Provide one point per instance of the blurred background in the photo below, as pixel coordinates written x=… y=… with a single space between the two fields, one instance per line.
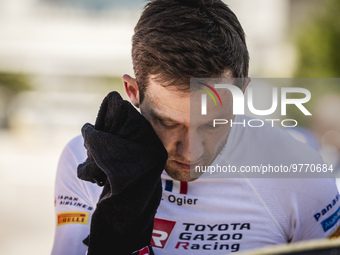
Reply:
x=59 y=58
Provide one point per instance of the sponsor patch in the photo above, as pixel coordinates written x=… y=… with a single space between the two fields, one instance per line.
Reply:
x=72 y=217
x=336 y=234
x=161 y=232
x=330 y=222
x=325 y=210
x=67 y=201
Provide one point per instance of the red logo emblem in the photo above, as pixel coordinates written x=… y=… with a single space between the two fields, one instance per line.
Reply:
x=144 y=251
x=161 y=232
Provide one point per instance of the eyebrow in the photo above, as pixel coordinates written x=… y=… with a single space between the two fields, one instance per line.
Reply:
x=220 y=116
x=160 y=117
x=165 y=118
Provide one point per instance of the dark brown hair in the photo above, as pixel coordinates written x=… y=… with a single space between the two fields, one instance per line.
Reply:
x=176 y=40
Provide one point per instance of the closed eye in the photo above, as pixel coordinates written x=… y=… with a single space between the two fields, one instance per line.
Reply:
x=168 y=125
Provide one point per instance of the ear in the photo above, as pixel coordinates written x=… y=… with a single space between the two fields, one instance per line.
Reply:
x=246 y=85
x=131 y=89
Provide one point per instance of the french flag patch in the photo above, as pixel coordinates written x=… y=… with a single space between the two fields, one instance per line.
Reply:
x=176 y=186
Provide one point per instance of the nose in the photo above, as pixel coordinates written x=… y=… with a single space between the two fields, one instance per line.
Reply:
x=190 y=146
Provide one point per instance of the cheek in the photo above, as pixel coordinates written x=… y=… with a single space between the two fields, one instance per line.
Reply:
x=167 y=137
x=214 y=142
x=210 y=147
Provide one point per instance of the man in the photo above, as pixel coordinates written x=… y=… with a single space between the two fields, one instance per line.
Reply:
x=173 y=42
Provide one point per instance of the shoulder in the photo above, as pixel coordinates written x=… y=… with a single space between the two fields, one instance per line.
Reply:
x=73 y=153
x=276 y=144
x=67 y=181
x=316 y=189
x=306 y=208
x=76 y=147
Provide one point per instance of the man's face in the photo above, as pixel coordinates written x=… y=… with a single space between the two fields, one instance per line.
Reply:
x=189 y=138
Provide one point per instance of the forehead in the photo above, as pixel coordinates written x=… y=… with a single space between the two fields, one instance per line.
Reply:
x=181 y=106
x=166 y=100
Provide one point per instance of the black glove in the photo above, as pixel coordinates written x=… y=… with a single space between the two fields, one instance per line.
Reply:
x=126 y=157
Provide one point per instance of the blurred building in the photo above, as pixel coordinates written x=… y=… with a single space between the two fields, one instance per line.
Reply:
x=56 y=37
x=93 y=37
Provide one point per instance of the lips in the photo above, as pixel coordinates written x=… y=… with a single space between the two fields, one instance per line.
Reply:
x=186 y=167
x=183 y=165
